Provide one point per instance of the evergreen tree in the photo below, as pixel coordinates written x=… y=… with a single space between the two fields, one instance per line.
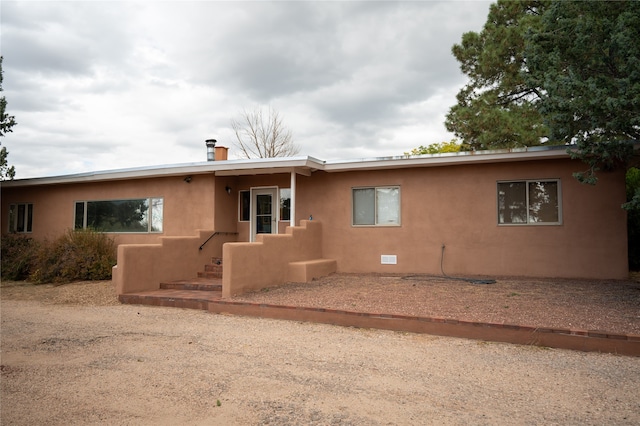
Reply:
x=585 y=60
x=497 y=108
x=6 y=123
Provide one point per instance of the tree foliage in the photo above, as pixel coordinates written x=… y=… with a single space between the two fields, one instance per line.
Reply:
x=497 y=108
x=436 y=148
x=586 y=58
x=6 y=124
x=553 y=71
x=261 y=134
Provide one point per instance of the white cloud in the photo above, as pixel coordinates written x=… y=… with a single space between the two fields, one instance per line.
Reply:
x=97 y=85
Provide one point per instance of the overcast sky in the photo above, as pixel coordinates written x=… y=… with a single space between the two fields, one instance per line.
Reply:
x=108 y=85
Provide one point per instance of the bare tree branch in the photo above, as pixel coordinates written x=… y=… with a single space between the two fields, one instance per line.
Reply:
x=263 y=136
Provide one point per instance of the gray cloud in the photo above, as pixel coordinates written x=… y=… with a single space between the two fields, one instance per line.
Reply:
x=124 y=84
x=51 y=38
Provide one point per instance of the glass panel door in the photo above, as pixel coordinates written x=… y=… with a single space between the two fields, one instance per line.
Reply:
x=264 y=212
x=264 y=205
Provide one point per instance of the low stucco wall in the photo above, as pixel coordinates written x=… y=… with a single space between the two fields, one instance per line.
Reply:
x=253 y=266
x=141 y=267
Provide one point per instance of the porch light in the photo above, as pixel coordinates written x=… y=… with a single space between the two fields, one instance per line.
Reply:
x=228 y=189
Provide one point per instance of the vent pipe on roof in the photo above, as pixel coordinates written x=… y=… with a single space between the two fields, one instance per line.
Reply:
x=211 y=153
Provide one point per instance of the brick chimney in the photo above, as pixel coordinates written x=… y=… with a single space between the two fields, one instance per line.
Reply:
x=221 y=153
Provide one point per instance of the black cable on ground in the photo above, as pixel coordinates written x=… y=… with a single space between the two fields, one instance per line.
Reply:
x=433 y=277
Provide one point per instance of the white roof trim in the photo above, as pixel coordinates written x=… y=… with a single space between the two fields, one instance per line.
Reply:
x=301 y=165
x=449 y=159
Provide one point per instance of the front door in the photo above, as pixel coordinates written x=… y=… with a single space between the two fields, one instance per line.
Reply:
x=264 y=211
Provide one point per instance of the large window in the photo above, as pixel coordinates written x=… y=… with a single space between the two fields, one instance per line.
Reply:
x=21 y=217
x=376 y=206
x=529 y=202
x=136 y=215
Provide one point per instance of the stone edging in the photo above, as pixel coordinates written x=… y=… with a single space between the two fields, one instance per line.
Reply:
x=589 y=341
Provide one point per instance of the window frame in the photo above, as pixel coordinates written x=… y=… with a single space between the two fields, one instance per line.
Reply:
x=526 y=183
x=150 y=214
x=375 y=223
x=27 y=217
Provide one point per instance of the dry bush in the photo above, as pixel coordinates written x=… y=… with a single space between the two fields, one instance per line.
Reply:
x=75 y=256
x=18 y=254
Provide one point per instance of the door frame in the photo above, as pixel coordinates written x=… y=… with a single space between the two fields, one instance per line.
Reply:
x=275 y=209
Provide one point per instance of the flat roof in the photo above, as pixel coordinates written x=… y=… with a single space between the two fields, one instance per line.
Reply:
x=302 y=165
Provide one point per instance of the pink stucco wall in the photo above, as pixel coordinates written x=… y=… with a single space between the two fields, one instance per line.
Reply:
x=141 y=267
x=265 y=263
x=187 y=206
x=454 y=205
x=457 y=206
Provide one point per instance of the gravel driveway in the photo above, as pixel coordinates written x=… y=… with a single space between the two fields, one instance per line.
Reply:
x=121 y=364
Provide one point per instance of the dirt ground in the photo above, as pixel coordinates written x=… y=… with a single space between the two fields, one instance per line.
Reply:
x=73 y=355
x=605 y=305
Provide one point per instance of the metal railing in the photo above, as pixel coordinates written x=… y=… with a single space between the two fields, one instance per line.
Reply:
x=214 y=234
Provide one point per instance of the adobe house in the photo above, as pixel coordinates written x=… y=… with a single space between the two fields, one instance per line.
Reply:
x=494 y=213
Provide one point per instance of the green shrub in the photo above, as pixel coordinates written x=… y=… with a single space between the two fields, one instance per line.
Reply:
x=75 y=256
x=17 y=256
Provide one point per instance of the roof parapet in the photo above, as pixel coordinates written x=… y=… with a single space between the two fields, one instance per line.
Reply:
x=285 y=165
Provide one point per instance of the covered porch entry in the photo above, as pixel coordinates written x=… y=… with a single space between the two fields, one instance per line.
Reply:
x=256 y=210
x=265 y=200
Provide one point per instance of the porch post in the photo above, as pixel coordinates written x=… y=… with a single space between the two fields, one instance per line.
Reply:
x=292 y=215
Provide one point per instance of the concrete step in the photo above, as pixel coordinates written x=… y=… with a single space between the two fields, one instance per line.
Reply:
x=200 y=284
x=189 y=299
x=210 y=275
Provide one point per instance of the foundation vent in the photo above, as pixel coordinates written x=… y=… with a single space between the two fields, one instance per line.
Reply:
x=388 y=259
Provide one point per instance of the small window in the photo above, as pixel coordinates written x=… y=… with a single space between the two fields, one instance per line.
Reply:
x=379 y=206
x=122 y=216
x=156 y=215
x=285 y=204
x=245 y=206
x=529 y=202
x=21 y=218
x=80 y=217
